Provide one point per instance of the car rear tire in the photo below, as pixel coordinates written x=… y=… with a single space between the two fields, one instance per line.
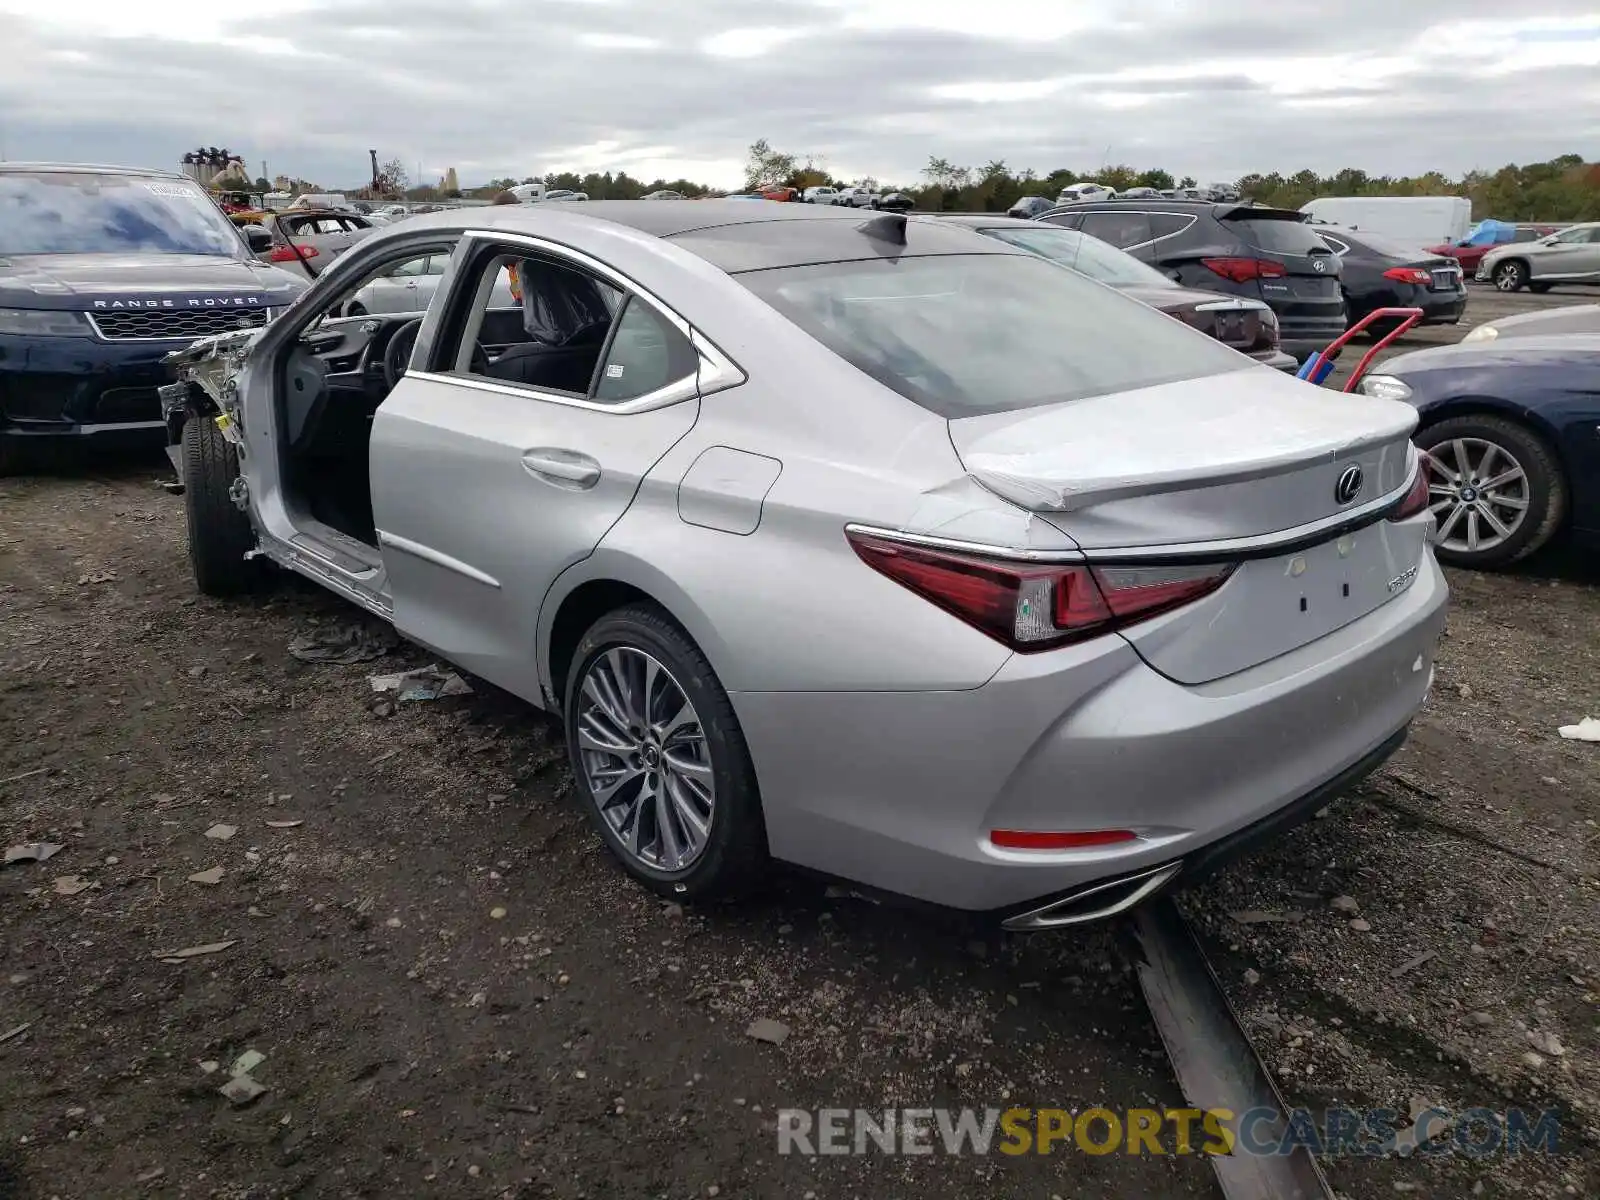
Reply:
x=1539 y=289
x=1510 y=276
x=1511 y=477
x=355 y=309
x=661 y=765
x=219 y=534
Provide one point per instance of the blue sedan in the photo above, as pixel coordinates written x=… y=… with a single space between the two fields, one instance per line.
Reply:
x=1511 y=430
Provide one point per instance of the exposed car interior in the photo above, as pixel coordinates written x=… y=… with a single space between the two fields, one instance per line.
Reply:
x=341 y=369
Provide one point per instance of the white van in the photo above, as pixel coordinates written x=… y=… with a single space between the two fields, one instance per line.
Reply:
x=528 y=193
x=1418 y=221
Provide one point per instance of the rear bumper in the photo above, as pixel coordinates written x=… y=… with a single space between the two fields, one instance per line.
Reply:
x=1108 y=898
x=1278 y=360
x=1438 y=307
x=81 y=388
x=898 y=790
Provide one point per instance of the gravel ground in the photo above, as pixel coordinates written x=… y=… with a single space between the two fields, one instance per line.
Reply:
x=457 y=995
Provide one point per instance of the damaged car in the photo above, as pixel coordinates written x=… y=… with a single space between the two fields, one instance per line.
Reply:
x=841 y=539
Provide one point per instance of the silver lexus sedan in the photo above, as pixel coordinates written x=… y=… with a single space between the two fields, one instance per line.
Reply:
x=870 y=545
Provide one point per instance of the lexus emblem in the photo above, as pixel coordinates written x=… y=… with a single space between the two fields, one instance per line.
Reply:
x=1321 y=268
x=1349 y=485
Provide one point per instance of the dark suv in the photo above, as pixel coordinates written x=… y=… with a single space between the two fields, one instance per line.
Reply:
x=104 y=271
x=1266 y=254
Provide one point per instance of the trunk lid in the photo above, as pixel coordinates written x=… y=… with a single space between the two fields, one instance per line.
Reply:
x=1211 y=468
x=1245 y=325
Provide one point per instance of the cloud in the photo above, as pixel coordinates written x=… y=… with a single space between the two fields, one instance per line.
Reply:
x=499 y=87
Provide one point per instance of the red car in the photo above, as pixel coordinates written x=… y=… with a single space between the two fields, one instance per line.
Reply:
x=1469 y=251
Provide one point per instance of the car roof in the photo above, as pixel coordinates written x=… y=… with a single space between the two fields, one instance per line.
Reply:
x=88 y=169
x=739 y=236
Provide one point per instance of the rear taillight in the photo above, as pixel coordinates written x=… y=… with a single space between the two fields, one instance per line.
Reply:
x=1409 y=275
x=1243 y=270
x=1416 y=500
x=1034 y=607
x=291 y=253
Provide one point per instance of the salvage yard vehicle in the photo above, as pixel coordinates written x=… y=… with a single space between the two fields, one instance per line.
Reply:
x=1249 y=326
x=1377 y=272
x=854 y=541
x=307 y=240
x=1248 y=250
x=1509 y=433
x=103 y=272
x=1571 y=256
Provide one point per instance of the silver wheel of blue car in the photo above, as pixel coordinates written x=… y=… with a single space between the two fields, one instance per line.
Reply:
x=1478 y=492
x=644 y=757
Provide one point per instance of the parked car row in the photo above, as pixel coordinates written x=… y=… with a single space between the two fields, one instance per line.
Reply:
x=1264 y=254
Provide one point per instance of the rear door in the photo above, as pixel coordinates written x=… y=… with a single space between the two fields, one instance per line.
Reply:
x=484 y=490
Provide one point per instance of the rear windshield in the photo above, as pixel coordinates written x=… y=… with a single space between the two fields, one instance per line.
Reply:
x=962 y=335
x=1382 y=246
x=1084 y=254
x=1282 y=235
x=51 y=212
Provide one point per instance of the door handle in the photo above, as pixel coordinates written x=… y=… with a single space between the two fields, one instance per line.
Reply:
x=565 y=469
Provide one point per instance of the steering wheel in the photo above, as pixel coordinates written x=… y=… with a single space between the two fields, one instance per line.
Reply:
x=397 y=354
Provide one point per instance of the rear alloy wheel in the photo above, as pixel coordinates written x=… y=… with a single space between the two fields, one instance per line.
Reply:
x=1510 y=276
x=659 y=758
x=1496 y=491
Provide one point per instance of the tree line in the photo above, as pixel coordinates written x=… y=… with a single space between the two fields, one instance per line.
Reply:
x=1563 y=189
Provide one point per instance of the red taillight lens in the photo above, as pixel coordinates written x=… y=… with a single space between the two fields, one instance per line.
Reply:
x=1027 y=839
x=1416 y=501
x=1409 y=275
x=290 y=254
x=1032 y=608
x=1243 y=270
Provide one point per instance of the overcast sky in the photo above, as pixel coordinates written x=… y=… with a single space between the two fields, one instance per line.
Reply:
x=867 y=87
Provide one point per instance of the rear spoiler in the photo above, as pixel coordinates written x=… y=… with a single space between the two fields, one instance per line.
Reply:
x=1251 y=209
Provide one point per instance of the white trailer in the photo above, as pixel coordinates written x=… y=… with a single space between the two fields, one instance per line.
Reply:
x=1420 y=221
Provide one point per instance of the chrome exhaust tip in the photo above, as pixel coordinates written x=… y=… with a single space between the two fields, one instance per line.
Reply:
x=1095 y=902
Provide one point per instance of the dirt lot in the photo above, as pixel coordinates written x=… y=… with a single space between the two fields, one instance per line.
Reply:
x=457 y=995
